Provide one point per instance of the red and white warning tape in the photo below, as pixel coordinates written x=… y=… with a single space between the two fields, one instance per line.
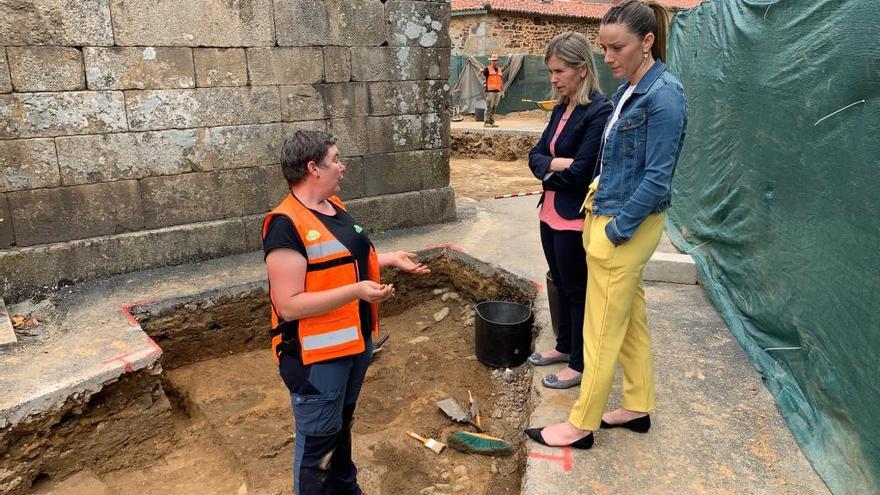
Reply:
x=516 y=195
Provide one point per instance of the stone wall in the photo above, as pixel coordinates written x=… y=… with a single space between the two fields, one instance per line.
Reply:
x=482 y=34
x=140 y=133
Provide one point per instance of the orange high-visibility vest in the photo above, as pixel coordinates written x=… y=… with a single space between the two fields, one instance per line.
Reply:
x=493 y=80
x=336 y=333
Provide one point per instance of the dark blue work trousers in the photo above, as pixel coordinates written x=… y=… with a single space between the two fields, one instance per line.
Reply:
x=324 y=396
x=567 y=260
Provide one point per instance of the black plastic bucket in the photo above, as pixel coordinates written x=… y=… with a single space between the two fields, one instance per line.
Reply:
x=503 y=333
x=552 y=294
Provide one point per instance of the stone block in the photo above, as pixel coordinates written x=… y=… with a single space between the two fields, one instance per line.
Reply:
x=288 y=128
x=436 y=63
x=34 y=267
x=392 y=98
x=285 y=65
x=241 y=191
x=28 y=164
x=53 y=22
x=337 y=64
x=45 y=68
x=345 y=100
x=385 y=63
x=423 y=24
x=395 y=133
x=353 y=181
x=177 y=108
x=42 y=216
x=435 y=168
x=179 y=199
x=393 y=173
x=438 y=205
x=351 y=135
x=218 y=23
x=243 y=146
x=436 y=130
x=220 y=67
x=435 y=97
x=330 y=22
x=133 y=155
x=57 y=114
x=672 y=268
x=139 y=67
x=5 y=80
x=7 y=237
x=301 y=103
x=276 y=186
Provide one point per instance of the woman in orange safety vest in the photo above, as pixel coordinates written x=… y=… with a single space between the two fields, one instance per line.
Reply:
x=324 y=290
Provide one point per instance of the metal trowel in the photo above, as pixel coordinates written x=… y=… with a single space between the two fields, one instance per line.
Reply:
x=453 y=409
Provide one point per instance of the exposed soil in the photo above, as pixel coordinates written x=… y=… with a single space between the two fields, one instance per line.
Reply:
x=499 y=147
x=233 y=426
x=484 y=178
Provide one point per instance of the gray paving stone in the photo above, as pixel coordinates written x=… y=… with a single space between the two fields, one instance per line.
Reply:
x=330 y=22
x=217 y=23
x=285 y=65
x=220 y=67
x=57 y=114
x=177 y=108
x=133 y=155
x=28 y=164
x=42 y=216
x=52 y=22
x=45 y=68
x=138 y=67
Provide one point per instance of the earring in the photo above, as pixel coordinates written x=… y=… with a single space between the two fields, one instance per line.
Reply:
x=644 y=54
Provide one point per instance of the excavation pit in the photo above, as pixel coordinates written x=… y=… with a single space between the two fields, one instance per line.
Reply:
x=226 y=426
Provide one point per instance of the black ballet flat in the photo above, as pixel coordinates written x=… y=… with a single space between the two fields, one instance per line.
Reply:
x=583 y=443
x=638 y=425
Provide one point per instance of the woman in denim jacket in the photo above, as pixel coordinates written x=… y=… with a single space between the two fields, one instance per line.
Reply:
x=565 y=159
x=625 y=218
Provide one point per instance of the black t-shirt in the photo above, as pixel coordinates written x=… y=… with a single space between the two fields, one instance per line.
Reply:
x=282 y=234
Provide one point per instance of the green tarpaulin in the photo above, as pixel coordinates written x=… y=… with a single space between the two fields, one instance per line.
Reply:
x=777 y=197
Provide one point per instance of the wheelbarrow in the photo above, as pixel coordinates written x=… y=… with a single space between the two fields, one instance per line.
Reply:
x=545 y=105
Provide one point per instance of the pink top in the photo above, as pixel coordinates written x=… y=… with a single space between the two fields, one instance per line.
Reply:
x=548 y=212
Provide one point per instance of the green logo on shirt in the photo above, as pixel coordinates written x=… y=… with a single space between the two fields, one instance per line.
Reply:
x=312 y=235
x=358 y=229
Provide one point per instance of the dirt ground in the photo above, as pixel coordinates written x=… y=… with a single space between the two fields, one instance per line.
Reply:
x=235 y=432
x=483 y=178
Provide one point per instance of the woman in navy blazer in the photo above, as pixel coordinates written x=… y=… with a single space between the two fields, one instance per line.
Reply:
x=565 y=159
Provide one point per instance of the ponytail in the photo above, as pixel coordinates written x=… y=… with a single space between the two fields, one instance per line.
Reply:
x=642 y=17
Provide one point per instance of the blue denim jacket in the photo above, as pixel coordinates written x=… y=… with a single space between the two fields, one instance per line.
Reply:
x=639 y=156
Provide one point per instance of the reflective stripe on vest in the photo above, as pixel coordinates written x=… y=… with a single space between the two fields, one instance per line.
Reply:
x=329 y=339
x=325 y=249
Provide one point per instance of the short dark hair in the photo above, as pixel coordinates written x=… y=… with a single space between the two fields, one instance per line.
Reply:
x=300 y=148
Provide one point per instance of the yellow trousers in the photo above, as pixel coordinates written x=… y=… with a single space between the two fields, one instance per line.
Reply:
x=616 y=325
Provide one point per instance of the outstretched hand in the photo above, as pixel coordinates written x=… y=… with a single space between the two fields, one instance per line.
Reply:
x=406 y=262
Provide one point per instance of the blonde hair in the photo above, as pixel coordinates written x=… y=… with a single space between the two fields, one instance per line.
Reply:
x=574 y=49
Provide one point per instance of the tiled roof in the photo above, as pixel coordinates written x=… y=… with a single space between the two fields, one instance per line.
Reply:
x=560 y=8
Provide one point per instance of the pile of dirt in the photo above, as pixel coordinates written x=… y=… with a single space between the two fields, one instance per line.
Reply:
x=483 y=178
x=495 y=146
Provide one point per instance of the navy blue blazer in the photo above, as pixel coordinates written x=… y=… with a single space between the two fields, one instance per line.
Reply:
x=580 y=139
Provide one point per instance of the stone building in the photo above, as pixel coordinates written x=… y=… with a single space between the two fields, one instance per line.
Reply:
x=142 y=133
x=480 y=27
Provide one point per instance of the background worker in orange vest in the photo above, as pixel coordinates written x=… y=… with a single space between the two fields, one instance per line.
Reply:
x=493 y=82
x=324 y=290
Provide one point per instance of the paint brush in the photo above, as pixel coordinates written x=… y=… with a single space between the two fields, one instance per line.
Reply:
x=432 y=444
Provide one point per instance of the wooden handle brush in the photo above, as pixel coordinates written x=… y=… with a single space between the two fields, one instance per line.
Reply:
x=430 y=443
x=475 y=411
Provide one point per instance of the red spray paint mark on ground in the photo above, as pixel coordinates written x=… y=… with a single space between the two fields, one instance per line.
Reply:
x=126 y=311
x=566 y=459
x=127 y=359
x=537 y=285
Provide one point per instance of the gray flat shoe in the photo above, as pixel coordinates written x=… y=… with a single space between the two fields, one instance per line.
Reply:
x=536 y=359
x=553 y=381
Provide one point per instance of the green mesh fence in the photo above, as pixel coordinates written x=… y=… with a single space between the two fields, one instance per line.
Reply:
x=777 y=197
